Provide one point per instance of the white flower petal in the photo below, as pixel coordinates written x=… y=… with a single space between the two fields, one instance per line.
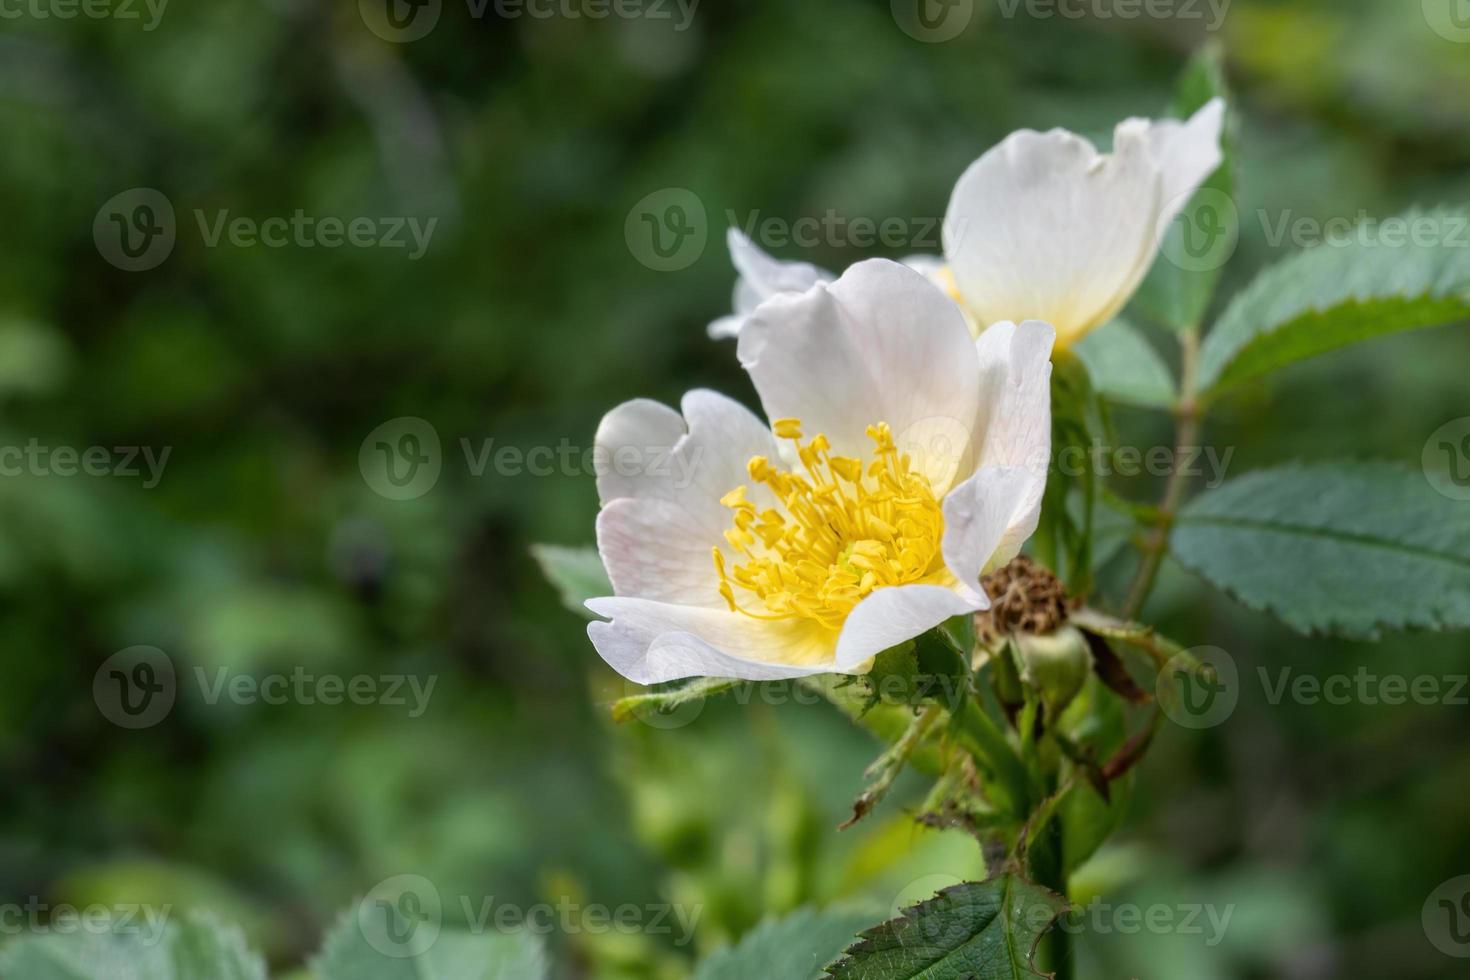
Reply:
x=645 y=449
x=977 y=516
x=761 y=277
x=652 y=642
x=1015 y=416
x=1044 y=227
x=655 y=549
x=1187 y=153
x=881 y=344
x=890 y=616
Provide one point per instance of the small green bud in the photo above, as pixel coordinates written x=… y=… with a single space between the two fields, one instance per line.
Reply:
x=1055 y=666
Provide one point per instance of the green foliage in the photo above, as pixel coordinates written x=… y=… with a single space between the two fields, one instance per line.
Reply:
x=577 y=573
x=1125 y=367
x=1346 y=548
x=447 y=955
x=792 y=948
x=1338 y=294
x=976 y=931
x=196 y=948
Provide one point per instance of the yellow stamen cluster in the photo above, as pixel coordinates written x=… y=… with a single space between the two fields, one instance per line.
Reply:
x=842 y=530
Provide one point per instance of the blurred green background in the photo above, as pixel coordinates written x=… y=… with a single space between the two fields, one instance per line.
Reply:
x=264 y=549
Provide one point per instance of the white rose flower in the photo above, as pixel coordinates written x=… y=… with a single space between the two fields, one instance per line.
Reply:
x=904 y=460
x=1042 y=226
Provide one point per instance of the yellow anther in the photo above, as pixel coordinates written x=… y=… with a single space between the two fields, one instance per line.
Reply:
x=842 y=531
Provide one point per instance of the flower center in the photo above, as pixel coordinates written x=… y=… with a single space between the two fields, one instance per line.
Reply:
x=842 y=530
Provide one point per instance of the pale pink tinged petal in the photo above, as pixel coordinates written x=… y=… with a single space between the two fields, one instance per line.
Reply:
x=1015 y=415
x=645 y=449
x=893 y=615
x=652 y=642
x=627 y=429
x=881 y=344
x=761 y=277
x=661 y=485
x=654 y=549
x=977 y=516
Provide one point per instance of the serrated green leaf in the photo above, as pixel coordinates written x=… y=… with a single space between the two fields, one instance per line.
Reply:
x=1341 y=293
x=577 y=573
x=348 y=954
x=1124 y=366
x=196 y=948
x=793 y=948
x=1345 y=548
x=1177 y=291
x=976 y=931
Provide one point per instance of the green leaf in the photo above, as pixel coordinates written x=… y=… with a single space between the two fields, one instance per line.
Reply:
x=196 y=948
x=793 y=948
x=1340 y=293
x=577 y=573
x=1345 y=548
x=1125 y=367
x=1183 y=278
x=975 y=931
x=364 y=946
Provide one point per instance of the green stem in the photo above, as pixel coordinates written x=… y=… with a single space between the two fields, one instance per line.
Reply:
x=995 y=754
x=1187 y=425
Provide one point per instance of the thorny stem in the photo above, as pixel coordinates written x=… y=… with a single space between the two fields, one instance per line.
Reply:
x=886 y=767
x=995 y=754
x=1160 y=648
x=1187 y=424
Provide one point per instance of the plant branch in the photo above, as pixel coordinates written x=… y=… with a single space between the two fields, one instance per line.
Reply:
x=988 y=744
x=885 y=769
x=1187 y=427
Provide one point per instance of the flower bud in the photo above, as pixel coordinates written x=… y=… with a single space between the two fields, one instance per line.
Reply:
x=1055 y=666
